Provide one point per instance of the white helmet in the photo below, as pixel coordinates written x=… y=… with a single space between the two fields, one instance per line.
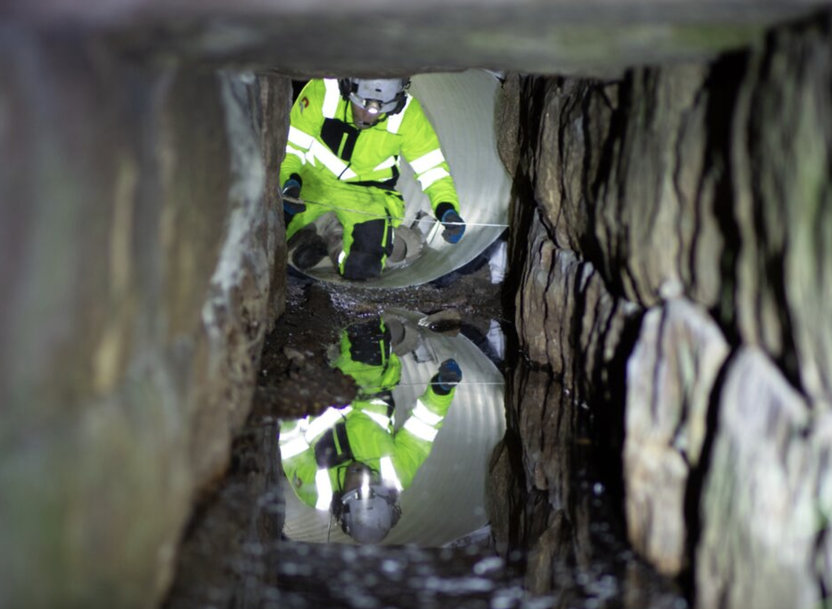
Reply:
x=378 y=96
x=367 y=512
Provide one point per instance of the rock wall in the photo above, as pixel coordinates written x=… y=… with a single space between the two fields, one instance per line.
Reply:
x=141 y=264
x=673 y=231
x=550 y=514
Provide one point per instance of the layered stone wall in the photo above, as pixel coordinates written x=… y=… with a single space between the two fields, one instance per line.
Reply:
x=141 y=265
x=677 y=271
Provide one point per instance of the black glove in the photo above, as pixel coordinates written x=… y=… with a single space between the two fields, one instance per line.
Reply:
x=454 y=225
x=291 y=190
x=448 y=376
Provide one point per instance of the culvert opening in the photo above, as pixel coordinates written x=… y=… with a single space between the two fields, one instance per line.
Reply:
x=476 y=527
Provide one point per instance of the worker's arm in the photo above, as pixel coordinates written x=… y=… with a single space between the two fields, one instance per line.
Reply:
x=421 y=149
x=300 y=467
x=307 y=474
x=305 y=122
x=414 y=441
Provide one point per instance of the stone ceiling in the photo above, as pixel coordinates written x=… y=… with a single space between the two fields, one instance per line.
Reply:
x=380 y=37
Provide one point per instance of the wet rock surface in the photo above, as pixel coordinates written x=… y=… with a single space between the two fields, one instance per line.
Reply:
x=782 y=143
x=670 y=378
x=697 y=183
x=567 y=318
x=763 y=497
x=557 y=500
x=137 y=251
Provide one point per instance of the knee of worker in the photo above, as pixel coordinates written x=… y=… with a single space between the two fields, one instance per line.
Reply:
x=296 y=222
x=362 y=265
x=368 y=247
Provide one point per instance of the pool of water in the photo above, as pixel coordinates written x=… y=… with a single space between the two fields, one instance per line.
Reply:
x=502 y=495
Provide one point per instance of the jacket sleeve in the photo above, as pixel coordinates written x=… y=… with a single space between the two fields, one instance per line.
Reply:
x=310 y=481
x=414 y=440
x=305 y=122
x=421 y=149
x=298 y=462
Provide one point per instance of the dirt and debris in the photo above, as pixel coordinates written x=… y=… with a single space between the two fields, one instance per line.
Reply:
x=295 y=377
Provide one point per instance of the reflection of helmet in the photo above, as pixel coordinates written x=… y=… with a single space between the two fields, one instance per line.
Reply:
x=367 y=512
x=387 y=93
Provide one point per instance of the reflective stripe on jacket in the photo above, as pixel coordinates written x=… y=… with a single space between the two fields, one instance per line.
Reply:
x=359 y=432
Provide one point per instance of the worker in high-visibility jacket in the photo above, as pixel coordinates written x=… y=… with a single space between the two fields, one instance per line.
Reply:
x=352 y=460
x=346 y=140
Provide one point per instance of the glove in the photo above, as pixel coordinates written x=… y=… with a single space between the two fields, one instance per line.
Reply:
x=448 y=376
x=291 y=189
x=454 y=226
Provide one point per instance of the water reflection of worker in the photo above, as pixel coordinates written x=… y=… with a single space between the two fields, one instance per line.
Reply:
x=352 y=460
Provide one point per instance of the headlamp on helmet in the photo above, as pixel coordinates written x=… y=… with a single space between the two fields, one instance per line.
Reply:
x=379 y=96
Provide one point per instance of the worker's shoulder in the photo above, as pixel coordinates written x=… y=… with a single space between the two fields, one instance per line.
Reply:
x=414 y=106
x=319 y=83
x=414 y=115
x=314 y=88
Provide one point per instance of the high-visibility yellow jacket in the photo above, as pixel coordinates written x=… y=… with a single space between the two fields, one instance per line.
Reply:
x=324 y=145
x=316 y=451
x=367 y=357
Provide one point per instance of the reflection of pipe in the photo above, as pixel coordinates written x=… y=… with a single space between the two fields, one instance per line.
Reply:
x=447 y=498
x=461 y=108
